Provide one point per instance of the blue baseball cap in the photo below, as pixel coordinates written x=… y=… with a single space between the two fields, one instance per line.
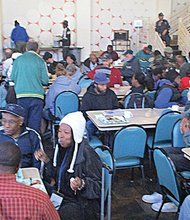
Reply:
x=14 y=109
x=101 y=78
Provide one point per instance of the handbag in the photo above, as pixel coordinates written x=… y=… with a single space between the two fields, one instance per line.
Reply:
x=11 y=95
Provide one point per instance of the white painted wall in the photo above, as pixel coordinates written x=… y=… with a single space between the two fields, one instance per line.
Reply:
x=91 y=21
x=83 y=24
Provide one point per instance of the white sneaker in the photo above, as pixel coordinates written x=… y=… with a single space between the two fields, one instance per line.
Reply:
x=153 y=198
x=167 y=207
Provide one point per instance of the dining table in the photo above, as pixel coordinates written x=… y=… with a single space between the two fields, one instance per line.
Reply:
x=113 y=120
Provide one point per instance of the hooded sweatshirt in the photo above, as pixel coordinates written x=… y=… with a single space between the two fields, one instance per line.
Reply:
x=62 y=83
x=103 y=101
x=167 y=95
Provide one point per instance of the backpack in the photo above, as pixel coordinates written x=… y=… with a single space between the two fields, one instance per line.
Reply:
x=138 y=100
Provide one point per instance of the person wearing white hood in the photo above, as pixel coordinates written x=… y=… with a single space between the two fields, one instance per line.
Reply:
x=79 y=170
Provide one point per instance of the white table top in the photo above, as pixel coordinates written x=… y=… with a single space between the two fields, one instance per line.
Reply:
x=121 y=92
x=146 y=117
x=30 y=176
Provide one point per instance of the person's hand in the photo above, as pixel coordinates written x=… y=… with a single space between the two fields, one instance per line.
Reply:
x=164 y=32
x=75 y=183
x=184 y=126
x=41 y=155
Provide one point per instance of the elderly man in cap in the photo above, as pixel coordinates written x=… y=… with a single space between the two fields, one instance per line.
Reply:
x=131 y=65
x=112 y=73
x=79 y=171
x=169 y=59
x=19 y=201
x=144 y=56
x=98 y=97
x=13 y=130
x=162 y=27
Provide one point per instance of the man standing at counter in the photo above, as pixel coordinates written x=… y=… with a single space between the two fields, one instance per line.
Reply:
x=66 y=39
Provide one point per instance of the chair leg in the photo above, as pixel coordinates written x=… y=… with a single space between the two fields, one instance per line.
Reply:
x=132 y=174
x=150 y=157
x=163 y=201
x=53 y=136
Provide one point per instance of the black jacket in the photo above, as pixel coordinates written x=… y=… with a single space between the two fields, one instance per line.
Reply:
x=88 y=166
x=93 y=101
x=129 y=68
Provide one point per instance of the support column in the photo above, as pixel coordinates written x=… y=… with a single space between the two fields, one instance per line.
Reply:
x=1 y=32
x=83 y=11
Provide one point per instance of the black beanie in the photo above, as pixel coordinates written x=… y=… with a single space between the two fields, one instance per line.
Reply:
x=171 y=74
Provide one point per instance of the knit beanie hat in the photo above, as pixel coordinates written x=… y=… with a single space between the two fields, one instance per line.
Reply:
x=171 y=74
x=77 y=123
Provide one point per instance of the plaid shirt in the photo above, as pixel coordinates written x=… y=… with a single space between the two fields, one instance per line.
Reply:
x=21 y=202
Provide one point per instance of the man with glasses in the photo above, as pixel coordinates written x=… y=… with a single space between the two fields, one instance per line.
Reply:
x=13 y=130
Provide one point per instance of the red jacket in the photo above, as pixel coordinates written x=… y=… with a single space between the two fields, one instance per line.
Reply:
x=185 y=83
x=115 y=76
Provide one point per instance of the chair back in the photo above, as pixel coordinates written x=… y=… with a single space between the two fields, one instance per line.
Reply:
x=66 y=102
x=107 y=172
x=84 y=82
x=138 y=100
x=177 y=136
x=167 y=175
x=164 y=127
x=129 y=141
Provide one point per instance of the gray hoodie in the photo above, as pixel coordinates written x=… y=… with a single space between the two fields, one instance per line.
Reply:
x=62 y=83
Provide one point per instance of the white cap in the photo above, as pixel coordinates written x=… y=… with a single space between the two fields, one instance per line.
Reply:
x=77 y=123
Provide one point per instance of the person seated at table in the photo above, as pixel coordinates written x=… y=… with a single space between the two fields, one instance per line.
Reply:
x=70 y=59
x=74 y=72
x=137 y=97
x=19 y=201
x=144 y=56
x=138 y=83
x=177 y=156
x=63 y=82
x=169 y=59
x=98 y=97
x=90 y=63
x=14 y=130
x=131 y=65
x=111 y=52
x=113 y=73
x=51 y=64
x=78 y=170
x=182 y=65
x=168 y=92
x=153 y=78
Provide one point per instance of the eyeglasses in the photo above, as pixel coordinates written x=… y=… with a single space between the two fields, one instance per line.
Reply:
x=9 y=122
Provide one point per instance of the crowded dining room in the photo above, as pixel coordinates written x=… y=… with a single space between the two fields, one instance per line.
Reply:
x=95 y=110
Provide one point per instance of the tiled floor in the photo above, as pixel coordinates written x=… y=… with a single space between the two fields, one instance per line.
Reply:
x=126 y=195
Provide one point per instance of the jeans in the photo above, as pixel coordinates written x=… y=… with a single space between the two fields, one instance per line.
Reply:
x=91 y=129
x=33 y=111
